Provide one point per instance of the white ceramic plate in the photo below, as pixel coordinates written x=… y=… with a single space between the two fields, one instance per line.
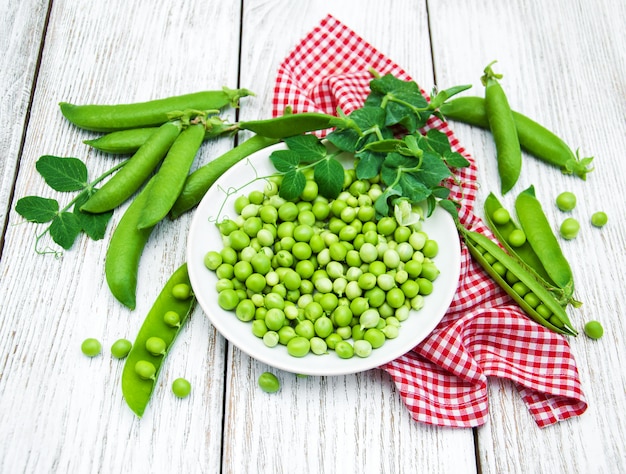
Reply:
x=204 y=236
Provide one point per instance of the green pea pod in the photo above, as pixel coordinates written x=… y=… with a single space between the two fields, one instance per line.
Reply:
x=122 y=142
x=480 y=246
x=533 y=137
x=108 y=118
x=524 y=253
x=170 y=179
x=289 y=125
x=539 y=235
x=198 y=183
x=121 y=264
x=502 y=125
x=136 y=389
x=136 y=171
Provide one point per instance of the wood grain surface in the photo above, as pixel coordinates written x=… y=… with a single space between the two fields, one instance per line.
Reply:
x=563 y=64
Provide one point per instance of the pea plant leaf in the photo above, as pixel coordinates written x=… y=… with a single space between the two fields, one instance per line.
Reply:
x=62 y=174
x=307 y=147
x=292 y=185
x=369 y=164
x=455 y=160
x=64 y=229
x=285 y=160
x=94 y=225
x=37 y=209
x=329 y=174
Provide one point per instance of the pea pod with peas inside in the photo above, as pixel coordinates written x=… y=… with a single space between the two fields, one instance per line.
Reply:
x=524 y=253
x=108 y=118
x=154 y=340
x=533 y=137
x=289 y=124
x=502 y=125
x=536 y=301
x=121 y=142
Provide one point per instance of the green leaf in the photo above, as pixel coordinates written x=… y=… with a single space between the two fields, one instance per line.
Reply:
x=64 y=229
x=37 y=209
x=438 y=141
x=455 y=160
x=369 y=164
x=308 y=147
x=94 y=225
x=381 y=205
x=285 y=160
x=383 y=146
x=329 y=176
x=451 y=207
x=433 y=170
x=412 y=188
x=62 y=174
x=345 y=139
x=369 y=117
x=445 y=94
x=292 y=185
x=441 y=192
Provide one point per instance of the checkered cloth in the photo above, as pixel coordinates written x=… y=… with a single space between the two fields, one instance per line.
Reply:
x=443 y=380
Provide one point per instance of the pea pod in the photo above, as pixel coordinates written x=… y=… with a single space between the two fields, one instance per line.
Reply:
x=539 y=234
x=534 y=138
x=136 y=171
x=136 y=389
x=122 y=142
x=108 y=118
x=170 y=179
x=503 y=129
x=543 y=308
x=289 y=125
x=198 y=183
x=121 y=263
x=524 y=253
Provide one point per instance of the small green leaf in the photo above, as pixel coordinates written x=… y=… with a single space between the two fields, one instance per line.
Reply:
x=381 y=205
x=307 y=147
x=438 y=141
x=345 y=139
x=285 y=160
x=62 y=174
x=292 y=186
x=94 y=225
x=441 y=192
x=455 y=160
x=64 y=229
x=329 y=176
x=37 y=209
x=413 y=189
x=451 y=207
x=369 y=164
x=433 y=170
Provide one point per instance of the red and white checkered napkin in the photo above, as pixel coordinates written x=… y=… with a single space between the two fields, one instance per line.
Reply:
x=443 y=380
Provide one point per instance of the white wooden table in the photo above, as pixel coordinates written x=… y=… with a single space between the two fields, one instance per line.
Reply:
x=564 y=65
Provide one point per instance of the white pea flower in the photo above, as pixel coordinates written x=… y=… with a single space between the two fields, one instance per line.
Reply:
x=405 y=214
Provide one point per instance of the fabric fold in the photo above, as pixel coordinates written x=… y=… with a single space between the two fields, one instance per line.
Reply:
x=443 y=380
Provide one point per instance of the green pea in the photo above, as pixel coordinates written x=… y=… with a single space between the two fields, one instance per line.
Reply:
x=181 y=387
x=362 y=348
x=501 y=216
x=298 y=346
x=121 y=348
x=344 y=349
x=181 y=291
x=269 y=382
x=517 y=238
x=599 y=219
x=156 y=346
x=91 y=347
x=212 y=260
x=569 y=228
x=271 y=338
x=566 y=201
x=145 y=370
x=430 y=249
x=375 y=337
x=318 y=346
x=227 y=299
x=594 y=329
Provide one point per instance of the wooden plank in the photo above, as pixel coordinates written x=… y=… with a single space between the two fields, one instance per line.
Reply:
x=21 y=34
x=60 y=411
x=563 y=65
x=330 y=424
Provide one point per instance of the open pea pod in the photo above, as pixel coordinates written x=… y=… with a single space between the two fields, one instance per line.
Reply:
x=524 y=253
x=543 y=308
x=162 y=324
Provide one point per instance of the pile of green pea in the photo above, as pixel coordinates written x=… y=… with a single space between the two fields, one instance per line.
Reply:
x=317 y=274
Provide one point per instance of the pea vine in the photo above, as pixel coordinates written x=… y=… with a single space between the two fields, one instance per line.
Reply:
x=65 y=224
x=386 y=140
